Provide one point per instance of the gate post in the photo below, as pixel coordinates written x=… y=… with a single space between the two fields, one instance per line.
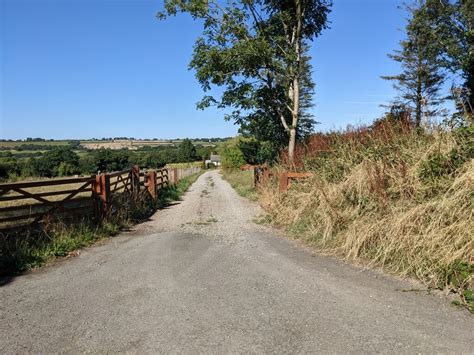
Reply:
x=165 y=178
x=283 y=186
x=101 y=194
x=175 y=176
x=151 y=183
x=95 y=197
x=135 y=179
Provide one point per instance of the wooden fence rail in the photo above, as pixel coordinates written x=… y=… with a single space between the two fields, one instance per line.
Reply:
x=262 y=175
x=23 y=204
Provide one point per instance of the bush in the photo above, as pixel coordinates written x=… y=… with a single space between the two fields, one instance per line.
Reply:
x=231 y=155
x=49 y=164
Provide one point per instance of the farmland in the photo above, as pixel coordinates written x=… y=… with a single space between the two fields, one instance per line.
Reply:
x=32 y=158
x=112 y=143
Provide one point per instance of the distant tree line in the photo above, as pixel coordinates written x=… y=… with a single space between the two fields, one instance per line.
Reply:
x=25 y=147
x=65 y=160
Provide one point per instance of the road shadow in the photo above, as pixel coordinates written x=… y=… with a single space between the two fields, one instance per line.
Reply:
x=5 y=280
x=170 y=205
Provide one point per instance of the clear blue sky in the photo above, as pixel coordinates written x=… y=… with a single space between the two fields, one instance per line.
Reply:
x=95 y=68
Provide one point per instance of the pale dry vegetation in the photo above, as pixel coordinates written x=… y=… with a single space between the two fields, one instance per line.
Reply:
x=393 y=199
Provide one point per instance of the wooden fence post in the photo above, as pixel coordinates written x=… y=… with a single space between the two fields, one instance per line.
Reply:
x=135 y=179
x=101 y=193
x=165 y=177
x=95 y=196
x=175 y=176
x=266 y=175
x=151 y=183
x=283 y=186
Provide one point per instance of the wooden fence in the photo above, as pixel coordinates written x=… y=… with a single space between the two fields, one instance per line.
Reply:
x=178 y=174
x=23 y=204
x=263 y=174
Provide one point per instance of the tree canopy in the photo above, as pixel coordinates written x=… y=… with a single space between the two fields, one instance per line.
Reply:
x=257 y=50
x=421 y=79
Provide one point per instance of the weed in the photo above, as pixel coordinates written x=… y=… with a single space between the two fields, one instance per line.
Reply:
x=207 y=222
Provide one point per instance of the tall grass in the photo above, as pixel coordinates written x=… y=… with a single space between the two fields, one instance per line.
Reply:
x=390 y=197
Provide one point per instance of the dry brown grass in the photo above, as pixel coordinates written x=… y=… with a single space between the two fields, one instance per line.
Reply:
x=381 y=211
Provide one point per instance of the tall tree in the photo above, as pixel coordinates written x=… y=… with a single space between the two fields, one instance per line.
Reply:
x=264 y=123
x=421 y=79
x=186 y=151
x=453 y=25
x=255 y=49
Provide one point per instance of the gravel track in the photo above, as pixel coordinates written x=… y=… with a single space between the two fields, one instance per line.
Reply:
x=202 y=277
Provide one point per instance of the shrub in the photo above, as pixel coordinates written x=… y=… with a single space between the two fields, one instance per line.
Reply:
x=231 y=155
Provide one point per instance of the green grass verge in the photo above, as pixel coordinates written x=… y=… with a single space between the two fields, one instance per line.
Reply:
x=174 y=193
x=184 y=165
x=242 y=182
x=23 y=251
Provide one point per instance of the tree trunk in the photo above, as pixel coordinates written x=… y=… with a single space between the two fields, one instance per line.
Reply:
x=295 y=85
x=470 y=87
x=419 y=93
x=291 y=145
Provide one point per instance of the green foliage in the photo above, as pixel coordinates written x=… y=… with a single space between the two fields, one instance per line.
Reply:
x=249 y=149
x=459 y=276
x=231 y=155
x=258 y=52
x=63 y=160
x=452 y=22
x=57 y=161
x=9 y=167
x=203 y=152
x=111 y=160
x=436 y=166
x=187 y=151
x=421 y=79
x=23 y=251
x=267 y=152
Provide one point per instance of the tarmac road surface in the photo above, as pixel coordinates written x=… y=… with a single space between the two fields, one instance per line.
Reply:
x=202 y=277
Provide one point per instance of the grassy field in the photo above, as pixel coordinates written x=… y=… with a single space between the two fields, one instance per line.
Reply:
x=14 y=144
x=94 y=144
x=183 y=165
